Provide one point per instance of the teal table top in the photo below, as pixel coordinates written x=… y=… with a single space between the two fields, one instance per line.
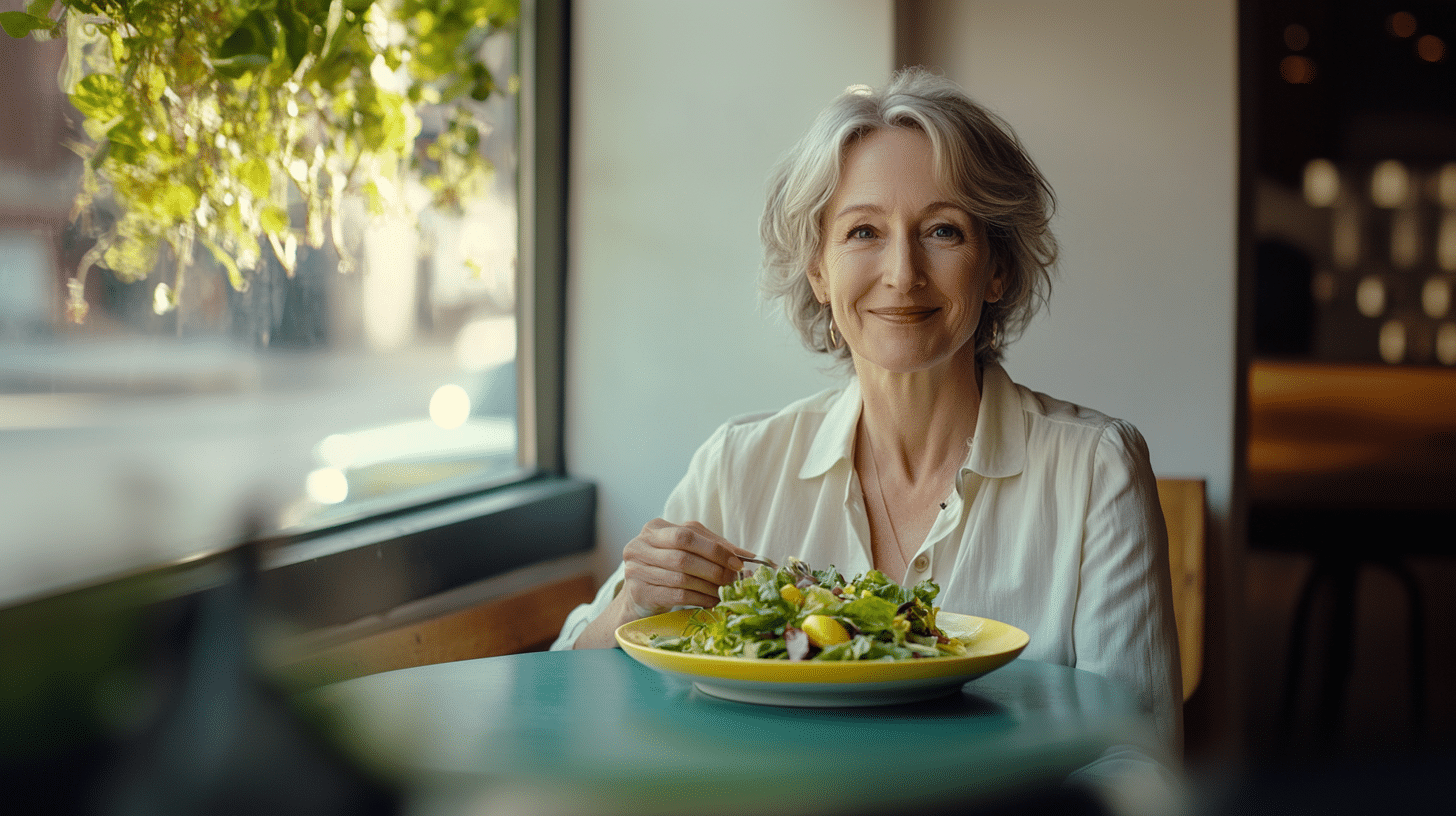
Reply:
x=600 y=730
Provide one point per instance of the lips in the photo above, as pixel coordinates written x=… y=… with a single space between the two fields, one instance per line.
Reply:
x=904 y=314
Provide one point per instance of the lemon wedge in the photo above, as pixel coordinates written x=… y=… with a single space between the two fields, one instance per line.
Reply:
x=825 y=631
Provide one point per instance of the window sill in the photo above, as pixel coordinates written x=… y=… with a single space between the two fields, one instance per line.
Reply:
x=405 y=561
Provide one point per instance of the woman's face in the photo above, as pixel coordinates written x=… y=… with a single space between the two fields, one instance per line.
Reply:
x=904 y=270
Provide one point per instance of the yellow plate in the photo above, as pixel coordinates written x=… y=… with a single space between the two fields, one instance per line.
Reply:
x=823 y=683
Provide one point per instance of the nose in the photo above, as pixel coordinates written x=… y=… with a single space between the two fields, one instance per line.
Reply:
x=904 y=264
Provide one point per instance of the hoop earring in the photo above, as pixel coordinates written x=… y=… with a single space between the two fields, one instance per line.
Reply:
x=836 y=340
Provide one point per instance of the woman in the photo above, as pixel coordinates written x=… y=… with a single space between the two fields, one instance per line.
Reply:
x=907 y=234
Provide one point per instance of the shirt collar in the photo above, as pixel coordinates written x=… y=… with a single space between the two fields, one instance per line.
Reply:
x=998 y=450
x=834 y=441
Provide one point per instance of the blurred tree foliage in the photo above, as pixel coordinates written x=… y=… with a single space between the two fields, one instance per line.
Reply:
x=241 y=125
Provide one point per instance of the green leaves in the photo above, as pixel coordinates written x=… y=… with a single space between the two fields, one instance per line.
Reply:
x=209 y=120
x=177 y=202
x=255 y=37
x=757 y=617
x=871 y=614
x=386 y=124
x=255 y=175
x=35 y=20
x=101 y=97
x=22 y=24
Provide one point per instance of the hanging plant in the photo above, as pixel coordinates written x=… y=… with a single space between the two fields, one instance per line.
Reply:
x=206 y=121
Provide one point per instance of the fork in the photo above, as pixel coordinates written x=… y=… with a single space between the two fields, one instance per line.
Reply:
x=767 y=562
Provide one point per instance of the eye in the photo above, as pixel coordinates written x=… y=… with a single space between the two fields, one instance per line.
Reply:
x=862 y=233
x=947 y=232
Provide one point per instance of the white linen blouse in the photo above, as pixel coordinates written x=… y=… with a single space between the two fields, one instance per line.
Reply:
x=1053 y=526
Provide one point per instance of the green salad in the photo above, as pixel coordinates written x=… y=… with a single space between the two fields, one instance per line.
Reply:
x=798 y=613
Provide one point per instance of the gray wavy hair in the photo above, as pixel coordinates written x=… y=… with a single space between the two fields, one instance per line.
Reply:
x=978 y=158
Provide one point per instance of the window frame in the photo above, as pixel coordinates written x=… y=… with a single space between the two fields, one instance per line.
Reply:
x=541 y=285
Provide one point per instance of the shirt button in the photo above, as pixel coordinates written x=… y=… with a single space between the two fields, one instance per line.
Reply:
x=921 y=562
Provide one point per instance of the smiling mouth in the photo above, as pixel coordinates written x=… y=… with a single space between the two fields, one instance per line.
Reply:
x=904 y=314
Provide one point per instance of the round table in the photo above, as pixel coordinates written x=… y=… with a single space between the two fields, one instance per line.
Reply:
x=594 y=731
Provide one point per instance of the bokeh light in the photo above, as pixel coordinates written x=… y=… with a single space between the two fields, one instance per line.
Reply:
x=1445 y=185
x=1446 y=242
x=1431 y=48
x=1390 y=184
x=1297 y=70
x=449 y=406
x=1321 y=183
x=1446 y=343
x=1392 y=341
x=1402 y=24
x=1436 y=297
x=327 y=486
x=1296 y=37
x=1370 y=296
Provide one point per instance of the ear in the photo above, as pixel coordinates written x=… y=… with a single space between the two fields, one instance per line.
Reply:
x=996 y=287
x=816 y=282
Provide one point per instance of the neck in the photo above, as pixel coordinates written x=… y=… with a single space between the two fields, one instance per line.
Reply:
x=919 y=422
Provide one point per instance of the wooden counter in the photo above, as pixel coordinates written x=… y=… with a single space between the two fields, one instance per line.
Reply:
x=1352 y=436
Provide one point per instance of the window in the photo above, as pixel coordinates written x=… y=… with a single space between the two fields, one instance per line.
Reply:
x=369 y=366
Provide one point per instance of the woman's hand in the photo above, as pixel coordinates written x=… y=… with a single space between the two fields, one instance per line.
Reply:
x=667 y=565
x=671 y=565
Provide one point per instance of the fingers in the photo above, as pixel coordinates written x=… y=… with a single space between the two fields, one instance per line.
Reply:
x=670 y=565
x=671 y=580
x=650 y=599
x=651 y=590
x=691 y=549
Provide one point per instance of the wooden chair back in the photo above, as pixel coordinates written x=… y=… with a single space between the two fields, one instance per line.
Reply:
x=1184 y=512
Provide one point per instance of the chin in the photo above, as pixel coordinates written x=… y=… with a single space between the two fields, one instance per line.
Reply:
x=912 y=360
x=907 y=363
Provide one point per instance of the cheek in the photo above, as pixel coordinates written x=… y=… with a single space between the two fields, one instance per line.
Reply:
x=841 y=278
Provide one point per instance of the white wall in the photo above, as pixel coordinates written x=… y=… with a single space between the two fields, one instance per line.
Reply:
x=678 y=112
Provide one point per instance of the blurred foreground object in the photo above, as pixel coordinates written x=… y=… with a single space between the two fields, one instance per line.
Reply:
x=141 y=696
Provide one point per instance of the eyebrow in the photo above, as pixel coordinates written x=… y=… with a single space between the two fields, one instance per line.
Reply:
x=875 y=209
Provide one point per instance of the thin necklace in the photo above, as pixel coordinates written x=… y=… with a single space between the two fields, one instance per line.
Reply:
x=889 y=519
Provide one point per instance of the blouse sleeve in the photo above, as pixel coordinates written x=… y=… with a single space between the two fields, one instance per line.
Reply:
x=697 y=497
x=1124 y=626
